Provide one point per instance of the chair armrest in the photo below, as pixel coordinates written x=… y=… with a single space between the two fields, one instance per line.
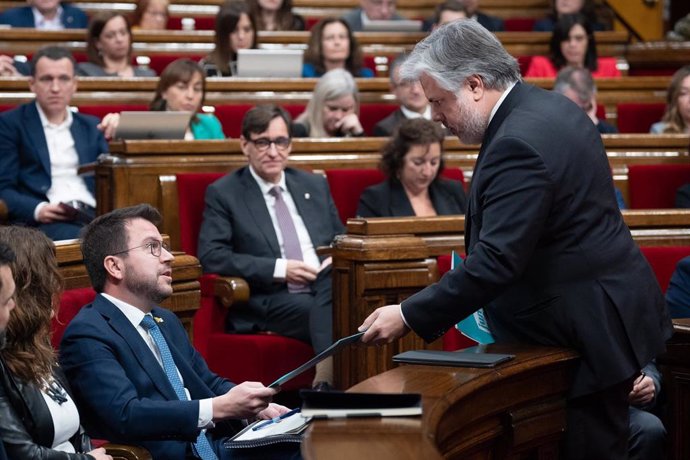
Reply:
x=127 y=452
x=324 y=251
x=230 y=290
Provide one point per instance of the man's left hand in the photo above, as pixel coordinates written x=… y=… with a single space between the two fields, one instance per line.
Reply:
x=384 y=325
x=643 y=391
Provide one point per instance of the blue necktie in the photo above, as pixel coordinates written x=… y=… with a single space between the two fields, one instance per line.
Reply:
x=201 y=446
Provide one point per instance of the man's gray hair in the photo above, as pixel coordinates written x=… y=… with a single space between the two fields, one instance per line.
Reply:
x=578 y=80
x=458 y=50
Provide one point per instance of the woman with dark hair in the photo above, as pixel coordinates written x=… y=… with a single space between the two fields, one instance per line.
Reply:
x=235 y=30
x=275 y=15
x=572 y=44
x=560 y=8
x=39 y=417
x=181 y=87
x=412 y=161
x=333 y=46
x=151 y=15
x=109 y=48
x=676 y=119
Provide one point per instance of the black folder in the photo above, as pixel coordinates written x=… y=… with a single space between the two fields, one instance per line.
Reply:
x=452 y=358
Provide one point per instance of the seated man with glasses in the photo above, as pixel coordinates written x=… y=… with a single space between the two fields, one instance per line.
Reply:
x=263 y=223
x=42 y=145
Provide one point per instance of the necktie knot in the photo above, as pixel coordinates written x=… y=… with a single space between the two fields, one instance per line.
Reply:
x=276 y=191
x=148 y=322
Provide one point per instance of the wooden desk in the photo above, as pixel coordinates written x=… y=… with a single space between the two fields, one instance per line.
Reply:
x=516 y=410
x=186 y=297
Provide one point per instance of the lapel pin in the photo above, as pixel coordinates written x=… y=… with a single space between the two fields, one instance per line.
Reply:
x=158 y=320
x=307 y=196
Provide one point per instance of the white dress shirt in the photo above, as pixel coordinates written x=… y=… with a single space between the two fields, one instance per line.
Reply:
x=411 y=114
x=48 y=24
x=65 y=421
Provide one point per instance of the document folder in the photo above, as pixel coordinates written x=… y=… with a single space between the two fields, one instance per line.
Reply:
x=452 y=358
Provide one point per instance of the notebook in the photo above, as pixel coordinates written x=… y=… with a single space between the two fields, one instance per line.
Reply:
x=152 y=125
x=273 y=63
x=392 y=25
x=335 y=404
x=452 y=358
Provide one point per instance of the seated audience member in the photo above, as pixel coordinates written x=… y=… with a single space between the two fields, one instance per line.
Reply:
x=676 y=119
x=572 y=43
x=43 y=144
x=151 y=15
x=275 y=15
x=369 y=10
x=452 y=10
x=333 y=46
x=134 y=374
x=12 y=67
x=39 y=417
x=578 y=85
x=562 y=7
x=492 y=23
x=263 y=223
x=647 y=438
x=678 y=292
x=333 y=110
x=412 y=161
x=235 y=30
x=181 y=87
x=410 y=95
x=45 y=15
x=109 y=49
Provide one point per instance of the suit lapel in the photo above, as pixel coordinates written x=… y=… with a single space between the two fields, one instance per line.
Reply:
x=400 y=203
x=121 y=325
x=80 y=137
x=37 y=136
x=256 y=206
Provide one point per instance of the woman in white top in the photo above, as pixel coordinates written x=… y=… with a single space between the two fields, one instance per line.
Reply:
x=676 y=119
x=39 y=417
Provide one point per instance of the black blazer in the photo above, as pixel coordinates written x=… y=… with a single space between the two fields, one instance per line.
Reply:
x=386 y=126
x=548 y=254
x=388 y=199
x=27 y=427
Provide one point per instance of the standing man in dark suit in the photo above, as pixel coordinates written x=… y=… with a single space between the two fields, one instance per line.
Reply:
x=263 y=222
x=45 y=15
x=136 y=377
x=548 y=254
x=43 y=144
x=409 y=94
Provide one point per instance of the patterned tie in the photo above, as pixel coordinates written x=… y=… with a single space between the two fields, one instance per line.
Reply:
x=201 y=446
x=291 y=243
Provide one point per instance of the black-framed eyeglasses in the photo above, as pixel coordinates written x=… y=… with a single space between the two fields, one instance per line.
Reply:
x=155 y=247
x=262 y=144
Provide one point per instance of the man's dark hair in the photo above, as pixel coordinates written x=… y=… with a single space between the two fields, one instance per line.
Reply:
x=449 y=5
x=6 y=256
x=257 y=119
x=54 y=53
x=107 y=234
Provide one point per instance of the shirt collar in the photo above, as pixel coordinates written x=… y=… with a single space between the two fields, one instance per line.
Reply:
x=40 y=19
x=500 y=100
x=133 y=314
x=67 y=123
x=411 y=114
x=266 y=186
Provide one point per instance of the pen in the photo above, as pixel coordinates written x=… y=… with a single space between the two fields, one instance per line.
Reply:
x=266 y=423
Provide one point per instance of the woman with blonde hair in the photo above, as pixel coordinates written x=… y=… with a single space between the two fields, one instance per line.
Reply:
x=333 y=110
x=39 y=417
x=676 y=119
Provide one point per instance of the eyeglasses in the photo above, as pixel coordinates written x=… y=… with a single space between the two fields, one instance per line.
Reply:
x=262 y=144
x=154 y=246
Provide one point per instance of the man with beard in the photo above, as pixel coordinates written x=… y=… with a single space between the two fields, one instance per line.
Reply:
x=136 y=378
x=548 y=254
x=6 y=302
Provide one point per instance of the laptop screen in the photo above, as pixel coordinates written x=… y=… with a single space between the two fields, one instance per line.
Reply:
x=152 y=125
x=276 y=63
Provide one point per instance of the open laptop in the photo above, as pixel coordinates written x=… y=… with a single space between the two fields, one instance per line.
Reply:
x=152 y=125
x=278 y=63
x=392 y=25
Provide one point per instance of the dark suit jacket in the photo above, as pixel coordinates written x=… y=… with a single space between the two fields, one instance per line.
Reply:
x=548 y=253
x=354 y=19
x=492 y=23
x=71 y=18
x=388 y=199
x=122 y=391
x=678 y=292
x=237 y=237
x=385 y=127
x=25 y=175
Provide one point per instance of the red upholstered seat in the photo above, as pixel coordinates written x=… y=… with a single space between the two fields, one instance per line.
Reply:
x=200 y=23
x=638 y=117
x=654 y=186
x=101 y=110
x=524 y=62
x=348 y=184
x=663 y=260
x=160 y=61
x=372 y=113
x=518 y=24
x=239 y=357
x=71 y=302
x=452 y=339
x=230 y=116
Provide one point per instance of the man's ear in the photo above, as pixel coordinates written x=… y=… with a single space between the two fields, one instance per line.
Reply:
x=114 y=267
x=244 y=144
x=476 y=86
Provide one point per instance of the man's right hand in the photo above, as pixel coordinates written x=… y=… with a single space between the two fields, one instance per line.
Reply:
x=242 y=401
x=300 y=273
x=99 y=454
x=52 y=213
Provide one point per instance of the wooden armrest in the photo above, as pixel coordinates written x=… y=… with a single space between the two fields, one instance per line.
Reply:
x=231 y=290
x=325 y=251
x=3 y=212
x=127 y=452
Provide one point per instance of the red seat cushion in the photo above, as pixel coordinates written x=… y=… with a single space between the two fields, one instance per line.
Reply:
x=654 y=186
x=99 y=111
x=191 y=191
x=638 y=117
x=71 y=302
x=230 y=116
x=372 y=113
x=518 y=24
x=452 y=339
x=347 y=185
x=663 y=260
x=200 y=23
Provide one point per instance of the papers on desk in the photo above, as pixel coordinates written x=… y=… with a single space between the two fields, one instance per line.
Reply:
x=320 y=404
x=285 y=430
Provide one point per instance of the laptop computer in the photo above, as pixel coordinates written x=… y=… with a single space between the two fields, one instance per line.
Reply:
x=273 y=63
x=392 y=25
x=152 y=125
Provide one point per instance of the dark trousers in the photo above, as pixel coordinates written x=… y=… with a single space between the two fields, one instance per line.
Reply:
x=57 y=231
x=598 y=425
x=647 y=439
